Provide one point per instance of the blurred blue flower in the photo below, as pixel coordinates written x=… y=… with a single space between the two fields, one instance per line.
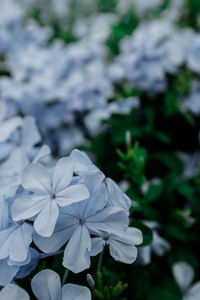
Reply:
x=184 y=275
x=150 y=53
x=159 y=246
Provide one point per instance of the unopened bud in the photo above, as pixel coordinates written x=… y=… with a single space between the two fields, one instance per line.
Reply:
x=128 y=139
x=90 y=281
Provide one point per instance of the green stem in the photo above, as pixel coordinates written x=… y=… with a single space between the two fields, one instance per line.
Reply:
x=100 y=262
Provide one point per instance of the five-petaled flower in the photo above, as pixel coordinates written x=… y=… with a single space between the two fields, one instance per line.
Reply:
x=49 y=191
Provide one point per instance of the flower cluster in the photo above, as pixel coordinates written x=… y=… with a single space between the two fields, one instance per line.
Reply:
x=48 y=206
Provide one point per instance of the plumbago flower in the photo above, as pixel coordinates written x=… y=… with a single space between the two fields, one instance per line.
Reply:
x=115 y=197
x=84 y=212
x=46 y=285
x=12 y=169
x=146 y=61
x=93 y=216
x=184 y=275
x=121 y=244
x=159 y=246
x=7 y=127
x=15 y=239
x=21 y=151
x=49 y=191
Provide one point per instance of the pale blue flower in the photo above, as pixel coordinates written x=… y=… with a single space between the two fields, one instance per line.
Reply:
x=78 y=221
x=7 y=126
x=121 y=244
x=11 y=170
x=153 y=50
x=191 y=102
x=46 y=285
x=7 y=272
x=191 y=163
x=15 y=238
x=26 y=269
x=122 y=107
x=184 y=276
x=9 y=268
x=192 y=45
x=115 y=197
x=159 y=246
x=49 y=192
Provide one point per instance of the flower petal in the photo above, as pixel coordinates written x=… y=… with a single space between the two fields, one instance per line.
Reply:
x=60 y=236
x=75 y=292
x=144 y=255
x=116 y=197
x=25 y=270
x=8 y=126
x=82 y=162
x=30 y=133
x=46 y=220
x=14 y=242
x=159 y=245
x=193 y=293
x=98 y=193
x=36 y=179
x=76 y=256
x=184 y=274
x=123 y=252
x=108 y=219
x=3 y=213
x=42 y=153
x=28 y=206
x=131 y=236
x=62 y=175
x=46 y=285
x=7 y=272
x=72 y=194
x=21 y=240
x=97 y=246
x=13 y=292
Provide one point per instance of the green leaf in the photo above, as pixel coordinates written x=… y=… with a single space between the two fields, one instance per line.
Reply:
x=154 y=192
x=170 y=160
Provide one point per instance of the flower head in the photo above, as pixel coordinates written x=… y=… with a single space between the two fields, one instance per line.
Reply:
x=48 y=192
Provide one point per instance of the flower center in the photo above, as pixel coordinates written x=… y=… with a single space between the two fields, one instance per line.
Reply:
x=105 y=237
x=53 y=196
x=81 y=221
